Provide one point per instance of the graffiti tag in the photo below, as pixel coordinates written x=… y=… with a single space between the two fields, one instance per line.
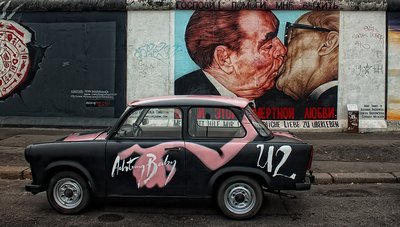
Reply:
x=286 y=150
x=145 y=168
x=365 y=70
x=159 y=51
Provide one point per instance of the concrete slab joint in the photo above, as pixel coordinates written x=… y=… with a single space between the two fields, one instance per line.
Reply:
x=26 y=174
x=397 y=176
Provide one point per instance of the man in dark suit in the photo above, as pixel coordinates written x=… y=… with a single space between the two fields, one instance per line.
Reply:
x=238 y=53
x=314 y=39
x=195 y=83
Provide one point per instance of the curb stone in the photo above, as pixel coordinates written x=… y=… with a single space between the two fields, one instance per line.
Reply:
x=12 y=172
x=346 y=178
x=26 y=174
x=323 y=178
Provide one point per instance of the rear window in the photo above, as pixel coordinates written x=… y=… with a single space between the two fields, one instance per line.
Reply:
x=206 y=122
x=261 y=128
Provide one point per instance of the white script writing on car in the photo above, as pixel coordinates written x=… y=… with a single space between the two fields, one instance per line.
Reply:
x=148 y=170
x=286 y=150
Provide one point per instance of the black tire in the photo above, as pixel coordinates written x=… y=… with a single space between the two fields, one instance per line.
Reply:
x=240 y=197
x=68 y=192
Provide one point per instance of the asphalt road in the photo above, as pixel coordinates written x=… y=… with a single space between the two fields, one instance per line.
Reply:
x=323 y=205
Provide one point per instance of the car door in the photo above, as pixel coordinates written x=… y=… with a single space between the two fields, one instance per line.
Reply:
x=146 y=156
x=215 y=138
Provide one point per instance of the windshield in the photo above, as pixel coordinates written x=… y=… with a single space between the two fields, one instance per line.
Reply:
x=256 y=121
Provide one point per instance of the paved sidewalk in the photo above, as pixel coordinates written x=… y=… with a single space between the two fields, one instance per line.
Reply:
x=339 y=158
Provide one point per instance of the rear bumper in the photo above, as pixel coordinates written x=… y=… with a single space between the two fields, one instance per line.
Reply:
x=33 y=188
x=306 y=185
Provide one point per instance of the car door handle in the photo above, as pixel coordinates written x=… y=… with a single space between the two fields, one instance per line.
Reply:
x=174 y=149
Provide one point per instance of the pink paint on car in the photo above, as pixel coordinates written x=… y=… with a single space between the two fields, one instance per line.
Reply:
x=86 y=136
x=147 y=169
x=239 y=102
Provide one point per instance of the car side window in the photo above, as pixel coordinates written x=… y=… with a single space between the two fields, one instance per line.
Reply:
x=152 y=123
x=214 y=123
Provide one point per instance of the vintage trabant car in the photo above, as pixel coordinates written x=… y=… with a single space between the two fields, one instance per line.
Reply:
x=177 y=146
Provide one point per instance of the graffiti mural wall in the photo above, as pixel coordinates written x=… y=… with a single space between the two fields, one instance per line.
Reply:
x=285 y=61
x=15 y=60
x=300 y=64
x=59 y=64
x=393 y=99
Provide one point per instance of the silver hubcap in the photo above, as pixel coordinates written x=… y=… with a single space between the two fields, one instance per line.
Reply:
x=239 y=198
x=67 y=193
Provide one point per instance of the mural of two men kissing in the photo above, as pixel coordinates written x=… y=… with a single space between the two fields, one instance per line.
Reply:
x=289 y=70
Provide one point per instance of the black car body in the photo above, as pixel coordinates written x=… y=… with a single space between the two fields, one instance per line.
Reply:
x=177 y=146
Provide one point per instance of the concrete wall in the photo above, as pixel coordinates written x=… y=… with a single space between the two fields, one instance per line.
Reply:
x=72 y=65
x=362 y=63
x=362 y=79
x=150 y=54
x=89 y=58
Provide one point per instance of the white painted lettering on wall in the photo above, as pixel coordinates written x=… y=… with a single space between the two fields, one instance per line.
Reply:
x=285 y=149
x=372 y=111
x=326 y=124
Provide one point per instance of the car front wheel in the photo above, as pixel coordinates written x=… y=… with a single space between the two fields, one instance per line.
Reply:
x=240 y=197
x=68 y=192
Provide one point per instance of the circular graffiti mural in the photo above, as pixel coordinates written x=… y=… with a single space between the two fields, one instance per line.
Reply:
x=14 y=56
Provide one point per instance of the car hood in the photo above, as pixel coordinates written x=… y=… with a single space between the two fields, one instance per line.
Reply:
x=86 y=136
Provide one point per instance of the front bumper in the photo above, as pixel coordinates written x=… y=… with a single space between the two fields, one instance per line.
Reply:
x=33 y=188
x=306 y=185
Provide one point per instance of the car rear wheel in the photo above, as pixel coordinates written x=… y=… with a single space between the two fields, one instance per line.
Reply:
x=68 y=192
x=240 y=197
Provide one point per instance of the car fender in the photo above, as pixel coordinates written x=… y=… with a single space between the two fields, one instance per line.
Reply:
x=68 y=165
x=240 y=170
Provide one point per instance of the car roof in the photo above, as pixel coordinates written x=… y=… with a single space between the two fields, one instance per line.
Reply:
x=191 y=100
